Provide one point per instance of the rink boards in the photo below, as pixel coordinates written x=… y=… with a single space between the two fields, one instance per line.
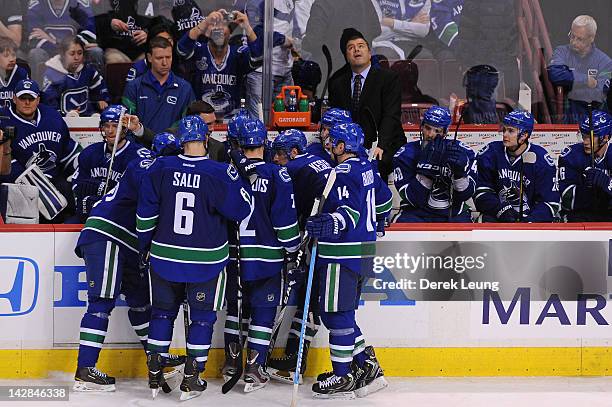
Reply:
x=43 y=292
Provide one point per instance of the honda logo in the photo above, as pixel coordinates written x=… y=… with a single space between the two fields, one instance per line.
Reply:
x=18 y=285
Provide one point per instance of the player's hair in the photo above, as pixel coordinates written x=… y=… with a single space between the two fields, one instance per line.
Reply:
x=586 y=21
x=7 y=44
x=159 y=42
x=199 y=106
x=360 y=37
x=65 y=44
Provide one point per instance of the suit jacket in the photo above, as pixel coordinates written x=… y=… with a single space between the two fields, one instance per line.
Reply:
x=381 y=95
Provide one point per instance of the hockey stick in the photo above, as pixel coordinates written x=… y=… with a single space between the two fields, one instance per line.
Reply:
x=530 y=158
x=328 y=60
x=227 y=386
x=592 y=134
x=413 y=54
x=115 y=143
x=450 y=193
x=317 y=209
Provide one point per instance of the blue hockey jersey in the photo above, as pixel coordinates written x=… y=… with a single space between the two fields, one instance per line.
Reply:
x=404 y=10
x=271 y=227
x=353 y=197
x=309 y=174
x=182 y=222
x=576 y=198
x=433 y=201
x=498 y=183
x=45 y=141
x=319 y=150
x=445 y=16
x=114 y=216
x=7 y=86
x=78 y=91
x=93 y=167
x=220 y=85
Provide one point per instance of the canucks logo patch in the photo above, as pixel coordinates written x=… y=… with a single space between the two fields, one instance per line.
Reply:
x=232 y=172
x=549 y=160
x=202 y=64
x=44 y=159
x=284 y=175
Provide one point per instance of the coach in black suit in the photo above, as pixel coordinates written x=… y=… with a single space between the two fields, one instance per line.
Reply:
x=360 y=87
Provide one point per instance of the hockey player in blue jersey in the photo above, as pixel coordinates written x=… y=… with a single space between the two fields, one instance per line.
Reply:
x=445 y=17
x=220 y=68
x=346 y=230
x=584 y=173
x=69 y=85
x=331 y=117
x=309 y=175
x=434 y=174
x=89 y=181
x=184 y=228
x=269 y=236
x=10 y=72
x=500 y=163
x=109 y=246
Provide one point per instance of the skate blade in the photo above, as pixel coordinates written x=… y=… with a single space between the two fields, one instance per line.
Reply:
x=172 y=379
x=251 y=387
x=188 y=395
x=283 y=376
x=345 y=395
x=92 y=387
x=376 y=385
x=154 y=392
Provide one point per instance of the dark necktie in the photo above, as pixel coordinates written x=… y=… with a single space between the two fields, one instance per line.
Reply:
x=356 y=94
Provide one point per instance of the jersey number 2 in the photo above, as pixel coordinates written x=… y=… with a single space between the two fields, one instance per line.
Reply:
x=183 y=218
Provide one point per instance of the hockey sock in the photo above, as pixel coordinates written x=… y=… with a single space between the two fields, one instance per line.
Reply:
x=94 y=325
x=312 y=327
x=200 y=336
x=359 y=355
x=341 y=339
x=160 y=330
x=260 y=331
x=230 y=331
x=139 y=318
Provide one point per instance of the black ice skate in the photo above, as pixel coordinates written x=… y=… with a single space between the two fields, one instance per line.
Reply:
x=173 y=371
x=283 y=368
x=232 y=361
x=255 y=377
x=155 y=363
x=355 y=370
x=372 y=379
x=335 y=387
x=173 y=360
x=91 y=379
x=192 y=385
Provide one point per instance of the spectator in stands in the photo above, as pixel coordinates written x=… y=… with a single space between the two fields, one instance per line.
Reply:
x=501 y=194
x=10 y=72
x=159 y=97
x=445 y=16
x=49 y=22
x=41 y=138
x=583 y=173
x=221 y=67
x=123 y=32
x=140 y=67
x=11 y=21
x=5 y=154
x=71 y=86
x=581 y=68
x=404 y=25
x=186 y=15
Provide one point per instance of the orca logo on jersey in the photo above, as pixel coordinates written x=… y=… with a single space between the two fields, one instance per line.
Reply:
x=200 y=296
x=549 y=160
x=270 y=297
x=75 y=99
x=44 y=159
x=284 y=175
x=202 y=64
x=232 y=172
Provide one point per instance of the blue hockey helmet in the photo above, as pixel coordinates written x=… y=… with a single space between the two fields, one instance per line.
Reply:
x=350 y=134
x=289 y=139
x=437 y=116
x=192 y=128
x=521 y=119
x=602 y=124
x=111 y=114
x=234 y=125
x=253 y=133
x=165 y=144
x=336 y=116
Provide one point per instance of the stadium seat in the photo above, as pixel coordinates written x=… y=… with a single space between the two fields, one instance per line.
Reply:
x=413 y=112
x=115 y=79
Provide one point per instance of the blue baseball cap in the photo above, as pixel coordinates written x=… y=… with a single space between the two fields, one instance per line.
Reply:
x=27 y=87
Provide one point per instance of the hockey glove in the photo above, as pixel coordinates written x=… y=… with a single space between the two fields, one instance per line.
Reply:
x=86 y=204
x=294 y=272
x=507 y=214
x=457 y=159
x=381 y=223
x=143 y=262
x=324 y=225
x=596 y=178
x=246 y=168
x=432 y=158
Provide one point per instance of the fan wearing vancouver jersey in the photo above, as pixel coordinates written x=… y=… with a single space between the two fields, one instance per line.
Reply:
x=346 y=230
x=89 y=181
x=584 y=173
x=10 y=72
x=109 y=246
x=500 y=164
x=184 y=228
x=269 y=237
